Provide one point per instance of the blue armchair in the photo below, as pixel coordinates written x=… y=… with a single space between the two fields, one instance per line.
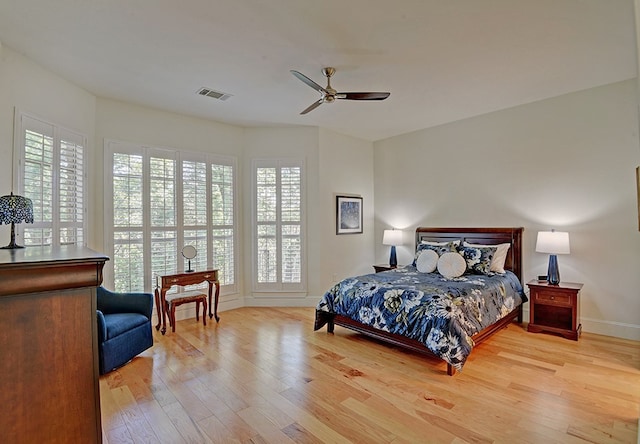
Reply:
x=124 y=327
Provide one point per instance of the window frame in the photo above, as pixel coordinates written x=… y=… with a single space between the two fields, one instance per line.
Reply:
x=59 y=133
x=112 y=146
x=278 y=286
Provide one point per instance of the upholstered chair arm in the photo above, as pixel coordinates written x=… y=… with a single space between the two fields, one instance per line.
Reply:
x=112 y=302
x=102 y=327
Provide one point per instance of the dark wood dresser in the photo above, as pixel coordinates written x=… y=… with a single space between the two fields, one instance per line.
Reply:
x=49 y=388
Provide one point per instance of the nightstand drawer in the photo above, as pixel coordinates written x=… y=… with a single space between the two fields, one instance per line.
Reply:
x=549 y=297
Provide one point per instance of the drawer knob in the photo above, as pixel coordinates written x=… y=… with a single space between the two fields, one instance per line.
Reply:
x=207 y=276
x=174 y=280
x=553 y=297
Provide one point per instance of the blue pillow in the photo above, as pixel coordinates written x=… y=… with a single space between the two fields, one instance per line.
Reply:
x=478 y=258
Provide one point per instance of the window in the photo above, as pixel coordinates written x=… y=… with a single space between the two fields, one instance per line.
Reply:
x=278 y=221
x=51 y=172
x=222 y=190
x=162 y=200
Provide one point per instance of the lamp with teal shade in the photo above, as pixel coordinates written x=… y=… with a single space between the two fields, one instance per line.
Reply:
x=15 y=210
x=554 y=243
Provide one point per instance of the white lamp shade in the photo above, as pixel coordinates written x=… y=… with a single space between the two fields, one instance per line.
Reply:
x=392 y=237
x=553 y=242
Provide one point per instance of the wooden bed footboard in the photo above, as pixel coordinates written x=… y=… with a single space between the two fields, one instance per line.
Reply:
x=412 y=344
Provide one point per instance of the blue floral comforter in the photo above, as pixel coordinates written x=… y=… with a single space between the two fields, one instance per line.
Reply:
x=441 y=313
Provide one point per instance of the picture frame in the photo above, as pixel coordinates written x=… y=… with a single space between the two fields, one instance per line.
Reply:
x=348 y=215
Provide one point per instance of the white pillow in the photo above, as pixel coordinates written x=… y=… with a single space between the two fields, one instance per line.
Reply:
x=427 y=261
x=440 y=244
x=499 y=257
x=452 y=265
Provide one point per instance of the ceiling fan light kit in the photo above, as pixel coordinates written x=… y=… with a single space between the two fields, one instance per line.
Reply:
x=329 y=95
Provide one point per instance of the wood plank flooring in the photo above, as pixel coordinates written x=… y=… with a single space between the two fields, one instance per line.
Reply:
x=262 y=375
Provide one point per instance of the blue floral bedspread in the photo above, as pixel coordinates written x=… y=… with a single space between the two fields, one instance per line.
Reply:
x=441 y=313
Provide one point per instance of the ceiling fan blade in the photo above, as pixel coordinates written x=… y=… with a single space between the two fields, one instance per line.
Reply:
x=363 y=95
x=313 y=106
x=309 y=82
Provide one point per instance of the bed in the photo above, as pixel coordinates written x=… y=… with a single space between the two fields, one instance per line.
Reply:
x=427 y=312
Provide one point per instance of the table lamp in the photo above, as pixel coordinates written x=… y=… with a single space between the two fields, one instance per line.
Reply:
x=393 y=238
x=553 y=242
x=15 y=210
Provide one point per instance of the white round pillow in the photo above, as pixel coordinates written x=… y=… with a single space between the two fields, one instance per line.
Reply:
x=452 y=265
x=427 y=261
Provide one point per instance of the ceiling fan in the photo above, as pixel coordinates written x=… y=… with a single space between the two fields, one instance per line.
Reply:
x=329 y=94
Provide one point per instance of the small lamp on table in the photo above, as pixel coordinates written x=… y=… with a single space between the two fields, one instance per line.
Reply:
x=393 y=238
x=15 y=210
x=553 y=242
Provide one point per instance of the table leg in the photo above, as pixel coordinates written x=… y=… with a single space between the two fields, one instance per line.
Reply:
x=157 y=298
x=215 y=304
x=163 y=302
x=215 y=311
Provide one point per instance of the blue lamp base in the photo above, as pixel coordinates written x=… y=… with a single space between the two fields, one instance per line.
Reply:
x=553 y=274
x=393 y=261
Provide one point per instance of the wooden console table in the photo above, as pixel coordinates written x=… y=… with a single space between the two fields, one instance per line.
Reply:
x=165 y=282
x=49 y=387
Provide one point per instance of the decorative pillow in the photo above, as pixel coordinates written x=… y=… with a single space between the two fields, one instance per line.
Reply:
x=478 y=258
x=427 y=261
x=499 y=258
x=444 y=248
x=451 y=265
x=456 y=242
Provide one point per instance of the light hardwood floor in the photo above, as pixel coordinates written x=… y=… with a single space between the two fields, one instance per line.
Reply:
x=262 y=375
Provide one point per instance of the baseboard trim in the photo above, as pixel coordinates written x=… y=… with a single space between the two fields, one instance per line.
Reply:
x=309 y=301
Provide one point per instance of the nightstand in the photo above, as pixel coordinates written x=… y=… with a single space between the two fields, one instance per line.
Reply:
x=383 y=267
x=554 y=308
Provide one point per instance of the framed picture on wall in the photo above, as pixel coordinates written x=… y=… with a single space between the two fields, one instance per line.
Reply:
x=348 y=215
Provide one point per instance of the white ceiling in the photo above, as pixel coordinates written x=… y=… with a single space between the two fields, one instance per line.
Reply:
x=442 y=60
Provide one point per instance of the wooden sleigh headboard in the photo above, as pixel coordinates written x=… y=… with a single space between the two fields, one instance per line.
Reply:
x=484 y=236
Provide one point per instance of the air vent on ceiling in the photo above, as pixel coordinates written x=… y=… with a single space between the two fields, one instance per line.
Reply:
x=212 y=93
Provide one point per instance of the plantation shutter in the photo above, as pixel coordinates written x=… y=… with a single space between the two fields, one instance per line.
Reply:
x=52 y=175
x=161 y=201
x=267 y=211
x=195 y=213
x=163 y=214
x=223 y=221
x=278 y=248
x=71 y=188
x=128 y=229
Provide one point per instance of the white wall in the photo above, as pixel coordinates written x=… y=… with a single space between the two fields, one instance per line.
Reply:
x=151 y=127
x=566 y=163
x=295 y=143
x=155 y=128
x=346 y=168
x=32 y=89
x=334 y=165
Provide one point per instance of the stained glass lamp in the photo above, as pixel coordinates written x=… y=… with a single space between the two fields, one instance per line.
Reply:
x=553 y=242
x=15 y=210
